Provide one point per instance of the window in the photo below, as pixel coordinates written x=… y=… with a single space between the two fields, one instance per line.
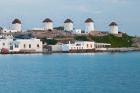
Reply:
x=78 y=44
x=24 y=46
x=3 y=44
x=91 y=45
x=11 y=47
x=11 y=44
x=29 y=45
x=37 y=45
x=87 y=45
x=16 y=46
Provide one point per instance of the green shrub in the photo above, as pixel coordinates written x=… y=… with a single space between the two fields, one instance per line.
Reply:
x=49 y=41
x=81 y=38
x=124 y=41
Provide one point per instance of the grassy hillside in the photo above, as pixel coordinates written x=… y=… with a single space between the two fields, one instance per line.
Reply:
x=81 y=38
x=124 y=41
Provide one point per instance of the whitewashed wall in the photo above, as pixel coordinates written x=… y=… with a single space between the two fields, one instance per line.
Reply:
x=27 y=42
x=77 y=31
x=114 y=29
x=48 y=25
x=78 y=45
x=5 y=43
x=68 y=26
x=17 y=27
x=89 y=27
x=23 y=44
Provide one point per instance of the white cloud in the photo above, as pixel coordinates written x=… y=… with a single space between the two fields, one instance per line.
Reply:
x=118 y=1
x=83 y=8
x=98 y=12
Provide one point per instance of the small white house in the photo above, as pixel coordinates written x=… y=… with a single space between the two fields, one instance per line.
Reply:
x=6 y=36
x=89 y=23
x=77 y=31
x=68 y=25
x=114 y=28
x=8 y=31
x=101 y=46
x=79 y=45
x=84 y=45
x=48 y=24
x=22 y=45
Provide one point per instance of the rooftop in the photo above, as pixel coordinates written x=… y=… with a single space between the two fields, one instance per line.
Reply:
x=113 y=24
x=89 y=20
x=16 y=21
x=47 y=20
x=68 y=21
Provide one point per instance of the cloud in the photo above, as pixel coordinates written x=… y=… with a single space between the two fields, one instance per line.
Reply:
x=118 y=1
x=98 y=12
x=82 y=8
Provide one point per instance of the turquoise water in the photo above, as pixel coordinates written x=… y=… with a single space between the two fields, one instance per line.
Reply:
x=70 y=73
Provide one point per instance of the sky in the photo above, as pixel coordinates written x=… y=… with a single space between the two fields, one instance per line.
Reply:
x=103 y=12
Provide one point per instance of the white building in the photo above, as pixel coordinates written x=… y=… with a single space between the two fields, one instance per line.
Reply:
x=101 y=46
x=84 y=45
x=68 y=25
x=8 y=31
x=6 y=36
x=77 y=31
x=21 y=45
x=37 y=29
x=79 y=45
x=89 y=23
x=114 y=28
x=5 y=43
x=48 y=24
x=17 y=25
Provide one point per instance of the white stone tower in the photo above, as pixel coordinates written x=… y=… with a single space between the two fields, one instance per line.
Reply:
x=48 y=24
x=68 y=25
x=17 y=25
x=114 y=28
x=89 y=23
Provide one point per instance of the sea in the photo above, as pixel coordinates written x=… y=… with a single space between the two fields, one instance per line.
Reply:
x=70 y=73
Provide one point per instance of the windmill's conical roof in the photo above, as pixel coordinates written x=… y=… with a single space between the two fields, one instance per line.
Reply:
x=113 y=24
x=68 y=21
x=16 y=21
x=89 y=20
x=47 y=20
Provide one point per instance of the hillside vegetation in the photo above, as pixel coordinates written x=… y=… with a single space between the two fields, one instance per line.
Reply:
x=124 y=41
